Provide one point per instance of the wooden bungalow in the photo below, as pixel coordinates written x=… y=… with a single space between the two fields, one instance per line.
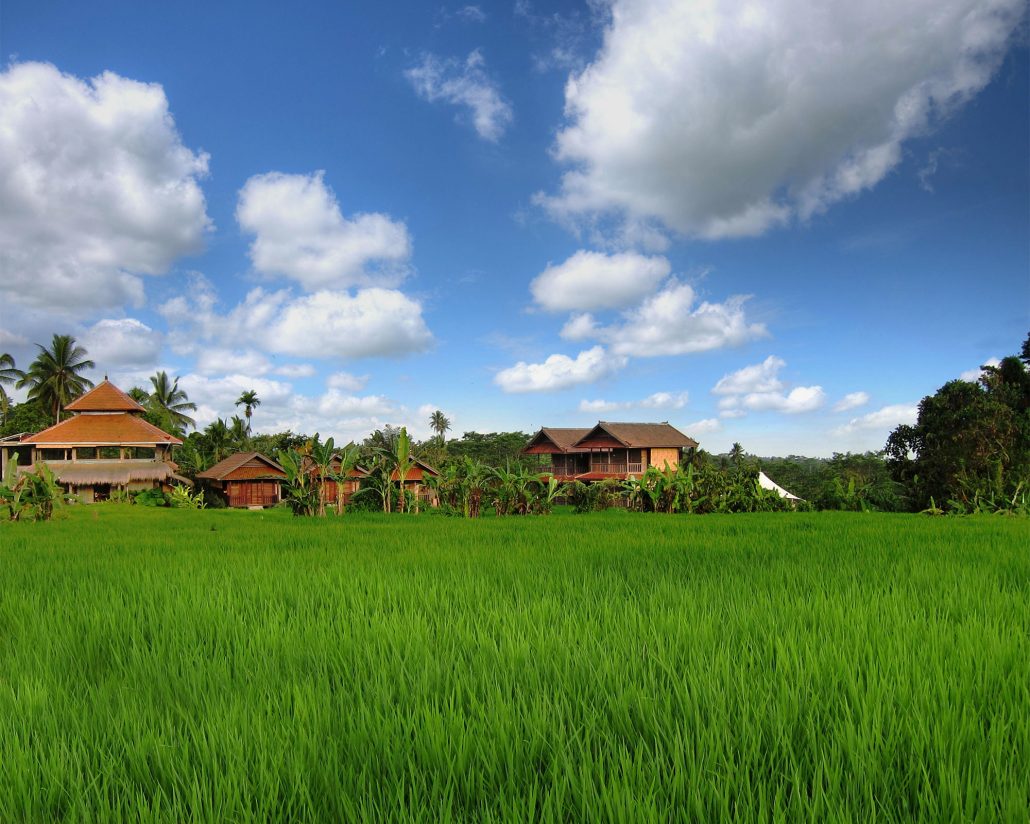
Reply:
x=340 y=493
x=246 y=479
x=608 y=450
x=104 y=446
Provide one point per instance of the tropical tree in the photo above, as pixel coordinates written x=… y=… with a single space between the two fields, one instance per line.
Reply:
x=348 y=458
x=300 y=494
x=239 y=433
x=54 y=378
x=9 y=373
x=322 y=455
x=140 y=395
x=736 y=453
x=5 y=406
x=249 y=401
x=218 y=438
x=403 y=460
x=439 y=423
x=171 y=402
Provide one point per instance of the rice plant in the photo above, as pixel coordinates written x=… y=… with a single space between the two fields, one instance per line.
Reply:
x=171 y=665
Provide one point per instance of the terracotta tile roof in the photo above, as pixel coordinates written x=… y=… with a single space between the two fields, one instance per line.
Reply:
x=104 y=397
x=643 y=435
x=227 y=466
x=104 y=429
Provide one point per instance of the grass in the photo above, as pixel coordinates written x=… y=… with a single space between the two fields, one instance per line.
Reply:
x=227 y=666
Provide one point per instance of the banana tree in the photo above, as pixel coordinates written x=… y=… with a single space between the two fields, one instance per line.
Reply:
x=404 y=462
x=300 y=496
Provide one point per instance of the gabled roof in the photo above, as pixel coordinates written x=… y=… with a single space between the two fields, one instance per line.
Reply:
x=227 y=466
x=639 y=435
x=104 y=397
x=110 y=429
x=563 y=439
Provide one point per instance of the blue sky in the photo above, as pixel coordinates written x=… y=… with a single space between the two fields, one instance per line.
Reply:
x=762 y=224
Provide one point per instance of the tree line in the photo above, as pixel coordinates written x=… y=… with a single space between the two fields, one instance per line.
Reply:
x=968 y=452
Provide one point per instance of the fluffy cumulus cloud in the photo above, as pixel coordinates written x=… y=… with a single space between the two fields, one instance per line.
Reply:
x=882 y=420
x=559 y=371
x=346 y=381
x=658 y=400
x=595 y=280
x=671 y=322
x=300 y=233
x=799 y=399
x=852 y=400
x=96 y=189
x=467 y=85
x=369 y=323
x=121 y=343
x=759 y=377
x=724 y=119
x=702 y=427
x=759 y=388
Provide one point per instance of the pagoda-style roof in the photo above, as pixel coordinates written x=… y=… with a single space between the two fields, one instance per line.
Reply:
x=244 y=466
x=104 y=397
x=103 y=429
x=635 y=436
x=550 y=440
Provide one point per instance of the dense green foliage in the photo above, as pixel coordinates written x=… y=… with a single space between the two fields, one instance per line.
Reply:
x=226 y=666
x=969 y=451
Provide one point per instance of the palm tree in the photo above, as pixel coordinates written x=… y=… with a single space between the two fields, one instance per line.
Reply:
x=439 y=423
x=8 y=372
x=5 y=405
x=736 y=453
x=169 y=400
x=218 y=439
x=249 y=401
x=140 y=395
x=239 y=432
x=54 y=378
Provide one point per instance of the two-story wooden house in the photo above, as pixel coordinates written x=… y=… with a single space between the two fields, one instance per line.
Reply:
x=609 y=450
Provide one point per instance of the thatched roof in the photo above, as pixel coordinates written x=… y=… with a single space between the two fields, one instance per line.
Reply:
x=116 y=473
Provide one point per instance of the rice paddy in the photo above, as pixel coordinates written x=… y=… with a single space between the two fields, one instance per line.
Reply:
x=170 y=665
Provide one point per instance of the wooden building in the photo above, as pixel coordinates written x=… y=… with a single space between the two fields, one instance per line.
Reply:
x=246 y=479
x=608 y=450
x=105 y=446
x=340 y=493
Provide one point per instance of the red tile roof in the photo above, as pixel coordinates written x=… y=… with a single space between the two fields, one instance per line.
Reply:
x=104 y=397
x=102 y=429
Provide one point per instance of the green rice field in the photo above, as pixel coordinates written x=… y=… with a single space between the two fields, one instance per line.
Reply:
x=170 y=665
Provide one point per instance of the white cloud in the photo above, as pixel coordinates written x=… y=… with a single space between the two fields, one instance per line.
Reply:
x=669 y=323
x=973 y=375
x=121 y=343
x=472 y=14
x=346 y=381
x=732 y=412
x=96 y=188
x=703 y=427
x=594 y=280
x=799 y=399
x=759 y=377
x=335 y=403
x=370 y=323
x=658 y=400
x=852 y=400
x=725 y=119
x=301 y=233
x=216 y=396
x=883 y=419
x=579 y=327
x=559 y=371
x=467 y=85
x=295 y=370
x=215 y=360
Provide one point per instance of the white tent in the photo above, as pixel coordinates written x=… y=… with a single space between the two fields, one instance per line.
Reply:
x=766 y=482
